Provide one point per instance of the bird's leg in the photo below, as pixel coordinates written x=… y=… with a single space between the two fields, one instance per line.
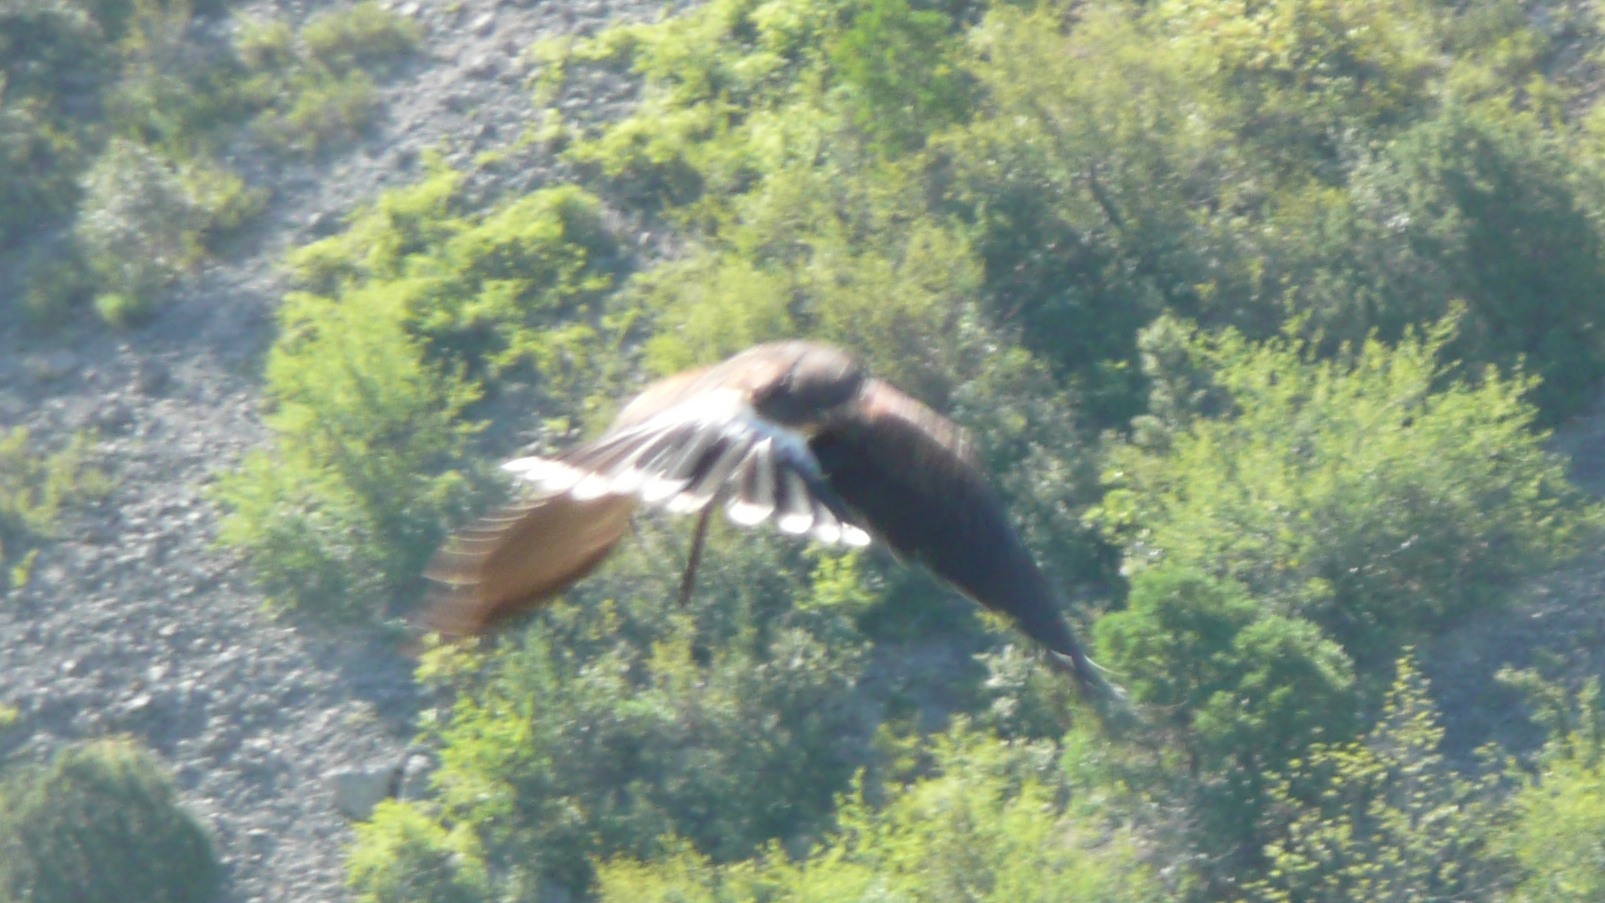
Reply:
x=698 y=538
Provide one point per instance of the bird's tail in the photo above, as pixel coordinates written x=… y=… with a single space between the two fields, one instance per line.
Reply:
x=519 y=558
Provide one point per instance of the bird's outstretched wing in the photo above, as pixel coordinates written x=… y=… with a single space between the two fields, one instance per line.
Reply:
x=702 y=446
x=712 y=445
x=909 y=473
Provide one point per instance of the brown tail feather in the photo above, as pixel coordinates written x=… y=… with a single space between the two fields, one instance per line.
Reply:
x=520 y=557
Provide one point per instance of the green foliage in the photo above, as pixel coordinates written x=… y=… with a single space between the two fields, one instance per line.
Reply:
x=1557 y=835
x=1375 y=495
x=611 y=724
x=990 y=825
x=344 y=510
x=1240 y=690
x=51 y=54
x=148 y=202
x=101 y=823
x=137 y=226
x=1239 y=682
x=367 y=36
x=1477 y=207
x=403 y=856
x=372 y=383
x=1382 y=818
x=144 y=220
x=317 y=88
x=898 y=67
x=34 y=488
x=1018 y=213
x=1236 y=164
x=153 y=199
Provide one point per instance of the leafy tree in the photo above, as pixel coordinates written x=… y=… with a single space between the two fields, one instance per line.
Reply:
x=1241 y=690
x=1383 y=818
x=1375 y=495
x=899 y=68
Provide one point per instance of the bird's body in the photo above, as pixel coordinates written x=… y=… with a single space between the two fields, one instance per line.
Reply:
x=793 y=433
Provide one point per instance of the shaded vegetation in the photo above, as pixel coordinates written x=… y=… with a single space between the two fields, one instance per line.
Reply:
x=114 y=119
x=101 y=823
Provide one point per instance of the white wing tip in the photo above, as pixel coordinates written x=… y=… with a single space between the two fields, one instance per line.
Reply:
x=794 y=524
x=551 y=476
x=744 y=514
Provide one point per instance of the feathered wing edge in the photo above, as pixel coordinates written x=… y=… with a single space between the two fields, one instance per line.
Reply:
x=708 y=449
x=520 y=557
x=910 y=472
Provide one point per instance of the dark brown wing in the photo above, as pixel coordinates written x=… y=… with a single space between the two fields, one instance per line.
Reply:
x=520 y=557
x=908 y=472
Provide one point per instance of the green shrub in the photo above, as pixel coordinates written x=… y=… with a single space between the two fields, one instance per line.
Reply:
x=1241 y=691
x=403 y=856
x=898 y=67
x=372 y=383
x=1382 y=818
x=54 y=51
x=367 y=36
x=1557 y=834
x=989 y=825
x=1475 y=208
x=343 y=510
x=138 y=226
x=320 y=113
x=34 y=488
x=101 y=823
x=617 y=719
x=315 y=90
x=37 y=164
x=1376 y=495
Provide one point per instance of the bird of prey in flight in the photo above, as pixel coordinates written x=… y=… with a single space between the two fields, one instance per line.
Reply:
x=795 y=434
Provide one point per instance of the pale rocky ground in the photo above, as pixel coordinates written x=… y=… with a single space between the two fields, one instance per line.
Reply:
x=135 y=622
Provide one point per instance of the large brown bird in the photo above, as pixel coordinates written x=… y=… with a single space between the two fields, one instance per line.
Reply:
x=794 y=433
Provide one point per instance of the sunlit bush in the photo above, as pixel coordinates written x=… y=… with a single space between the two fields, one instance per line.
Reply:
x=1557 y=835
x=138 y=227
x=1239 y=690
x=317 y=88
x=372 y=383
x=1383 y=818
x=403 y=856
x=1378 y=495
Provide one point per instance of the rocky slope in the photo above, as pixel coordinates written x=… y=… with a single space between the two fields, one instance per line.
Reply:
x=134 y=622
